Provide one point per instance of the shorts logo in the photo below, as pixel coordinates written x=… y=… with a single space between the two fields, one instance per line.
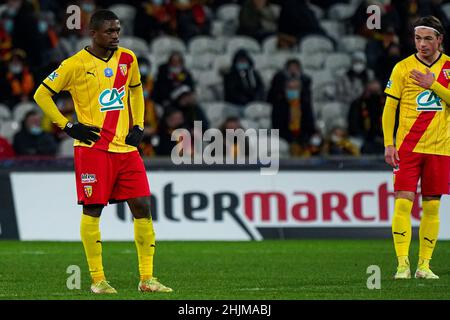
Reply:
x=123 y=69
x=88 y=178
x=428 y=101
x=111 y=99
x=88 y=191
x=52 y=76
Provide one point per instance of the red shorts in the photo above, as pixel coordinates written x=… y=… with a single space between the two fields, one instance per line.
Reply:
x=433 y=171
x=103 y=176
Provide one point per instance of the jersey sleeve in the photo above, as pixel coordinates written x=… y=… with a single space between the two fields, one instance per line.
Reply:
x=395 y=85
x=61 y=78
x=135 y=77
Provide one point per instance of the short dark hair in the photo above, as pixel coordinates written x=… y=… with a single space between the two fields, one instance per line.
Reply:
x=99 y=17
x=432 y=22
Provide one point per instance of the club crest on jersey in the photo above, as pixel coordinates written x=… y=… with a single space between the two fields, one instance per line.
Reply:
x=108 y=72
x=52 y=76
x=111 y=99
x=123 y=69
x=88 y=191
x=428 y=101
x=88 y=178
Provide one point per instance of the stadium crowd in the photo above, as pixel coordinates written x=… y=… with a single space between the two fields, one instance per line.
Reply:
x=312 y=69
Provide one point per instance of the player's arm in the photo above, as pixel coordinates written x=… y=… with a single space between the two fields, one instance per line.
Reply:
x=427 y=81
x=55 y=82
x=136 y=92
x=393 y=91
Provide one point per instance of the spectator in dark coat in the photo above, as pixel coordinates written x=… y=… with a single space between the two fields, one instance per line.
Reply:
x=243 y=84
x=184 y=99
x=292 y=117
x=257 y=19
x=31 y=140
x=170 y=76
x=171 y=120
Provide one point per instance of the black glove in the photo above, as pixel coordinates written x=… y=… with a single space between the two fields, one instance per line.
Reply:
x=79 y=131
x=135 y=136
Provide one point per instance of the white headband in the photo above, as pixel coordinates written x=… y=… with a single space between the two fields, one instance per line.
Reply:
x=430 y=28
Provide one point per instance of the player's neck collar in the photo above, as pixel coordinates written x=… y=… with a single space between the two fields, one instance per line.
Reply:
x=426 y=64
x=104 y=60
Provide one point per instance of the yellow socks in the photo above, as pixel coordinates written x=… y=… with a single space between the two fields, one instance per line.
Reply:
x=90 y=236
x=144 y=237
x=428 y=231
x=401 y=227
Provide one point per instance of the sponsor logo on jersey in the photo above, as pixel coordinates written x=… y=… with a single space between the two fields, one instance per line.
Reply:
x=123 y=69
x=88 y=191
x=446 y=73
x=389 y=84
x=88 y=178
x=428 y=101
x=52 y=76
x=111 y=99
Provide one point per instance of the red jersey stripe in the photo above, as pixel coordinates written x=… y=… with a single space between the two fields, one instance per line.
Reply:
x=112 y=117
x=424 y=119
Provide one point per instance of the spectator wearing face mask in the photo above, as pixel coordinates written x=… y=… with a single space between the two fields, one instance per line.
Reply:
x=292 y=70
x=171 y=120
x=31 y=140
x=338 y=143
x=293 y=118
x=364 y=118
x=170 y=76
x=350 y=85
x=17 y=83
x=21 y=24
x=242 y=83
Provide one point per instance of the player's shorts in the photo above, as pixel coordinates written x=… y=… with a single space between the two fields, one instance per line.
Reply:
x=433 y=171
x=103 y=176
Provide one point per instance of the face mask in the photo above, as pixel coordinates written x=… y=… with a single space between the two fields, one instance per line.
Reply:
x=42 y=26
x=335 y=138
x=15 y=68
x=9 y=26
x=316 y=141
x=88 y=7
x=358 y=67
x=184 y=2
x=35 y=131
x=157 y=2
x=175 y=70
x=292 y=94
x=242 y=66
x=143 y=70
x=145 y=94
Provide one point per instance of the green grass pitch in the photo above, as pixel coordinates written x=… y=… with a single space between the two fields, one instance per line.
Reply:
x=288 y=270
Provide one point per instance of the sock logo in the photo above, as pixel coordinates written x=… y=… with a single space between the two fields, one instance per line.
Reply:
x=430 y=241
x=98 y=241
x=152 y=245
x=400 y=233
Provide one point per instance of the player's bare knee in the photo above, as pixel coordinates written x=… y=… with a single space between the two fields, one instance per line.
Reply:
x=93 y=210
x=405 y=195
x=140 y=207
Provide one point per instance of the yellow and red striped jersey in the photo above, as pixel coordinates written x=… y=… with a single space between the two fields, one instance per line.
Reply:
x=100 y=92
x=424 y=117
